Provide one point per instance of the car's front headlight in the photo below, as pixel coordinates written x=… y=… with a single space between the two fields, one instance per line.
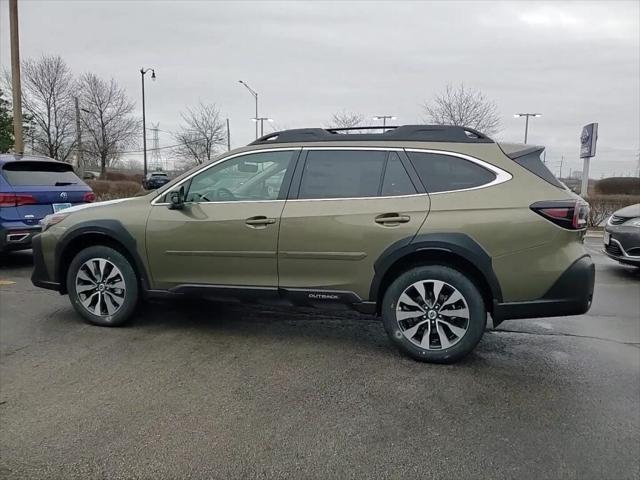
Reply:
x=53 y=219
x=633 y=222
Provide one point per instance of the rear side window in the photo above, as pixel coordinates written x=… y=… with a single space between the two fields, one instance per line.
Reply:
x=342 y=174
x=444 y=173
x=396 y=179
x=32 y=173
x=532 y=162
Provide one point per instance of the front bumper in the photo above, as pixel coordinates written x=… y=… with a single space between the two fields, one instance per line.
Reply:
x=40 y=276
x=624 y=244
x=571 y=294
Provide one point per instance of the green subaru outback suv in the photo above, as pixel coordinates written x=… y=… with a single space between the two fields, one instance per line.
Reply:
x=429 y=227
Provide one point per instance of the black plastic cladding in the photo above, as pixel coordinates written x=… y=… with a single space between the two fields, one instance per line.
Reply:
x=414 y=133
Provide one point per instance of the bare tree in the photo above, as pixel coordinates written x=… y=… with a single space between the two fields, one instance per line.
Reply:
x=106 y=120
x=200 y=135
x=345 y=119
x=464 y=107
x=47 y=100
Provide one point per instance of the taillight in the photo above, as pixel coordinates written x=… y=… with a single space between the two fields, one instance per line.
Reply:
x=89 y=197
x=569 y=214
x=7 y=200
x=13 y=200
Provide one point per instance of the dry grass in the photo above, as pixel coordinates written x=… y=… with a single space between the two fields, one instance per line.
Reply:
x=601 y=206
x=110 y=190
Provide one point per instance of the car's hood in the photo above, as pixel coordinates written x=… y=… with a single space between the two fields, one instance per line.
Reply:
x=629 y=212
x=92 y=205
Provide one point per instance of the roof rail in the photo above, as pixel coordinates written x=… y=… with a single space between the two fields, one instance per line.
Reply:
x=414 y=133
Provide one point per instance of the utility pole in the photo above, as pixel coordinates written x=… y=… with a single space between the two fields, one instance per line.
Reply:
x=143 y=71
x=79 y=152
x=228 y=136
x=15 y=77
x=561 y=162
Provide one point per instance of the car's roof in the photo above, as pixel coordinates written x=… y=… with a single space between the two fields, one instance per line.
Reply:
x=404 y=133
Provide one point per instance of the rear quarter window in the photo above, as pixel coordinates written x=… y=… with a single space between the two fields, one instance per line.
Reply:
x=33 y=173
x=444 y=173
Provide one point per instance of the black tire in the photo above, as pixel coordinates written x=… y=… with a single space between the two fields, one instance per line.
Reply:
x=476 y=307
x=126 y=309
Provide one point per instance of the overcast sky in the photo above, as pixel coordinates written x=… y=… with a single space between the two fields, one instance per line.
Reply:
x=574 y=62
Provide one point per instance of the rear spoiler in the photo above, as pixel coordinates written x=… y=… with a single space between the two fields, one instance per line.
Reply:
x=517 y=150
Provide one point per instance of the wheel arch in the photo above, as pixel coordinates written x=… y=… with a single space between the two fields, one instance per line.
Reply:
x=457 y=250
x=110 y=233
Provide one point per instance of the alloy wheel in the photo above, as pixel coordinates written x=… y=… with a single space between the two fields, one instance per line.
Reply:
x=432 y=314
x=100 y=287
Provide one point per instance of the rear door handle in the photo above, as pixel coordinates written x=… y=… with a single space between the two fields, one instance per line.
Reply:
x=259 y=221
x=392 y=218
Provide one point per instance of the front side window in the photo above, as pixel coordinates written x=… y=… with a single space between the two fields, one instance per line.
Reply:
x=342 y=174
x=251 y=177
x=443 y=173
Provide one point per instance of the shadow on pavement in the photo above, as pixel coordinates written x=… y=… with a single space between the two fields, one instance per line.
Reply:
x=22 y=258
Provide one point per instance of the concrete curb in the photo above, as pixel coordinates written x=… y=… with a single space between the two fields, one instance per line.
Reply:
x=594 y=233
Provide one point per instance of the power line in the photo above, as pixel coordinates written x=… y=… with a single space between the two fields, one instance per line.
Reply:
x=127 y=152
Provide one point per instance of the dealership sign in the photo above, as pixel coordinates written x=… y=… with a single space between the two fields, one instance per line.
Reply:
x=588 y=140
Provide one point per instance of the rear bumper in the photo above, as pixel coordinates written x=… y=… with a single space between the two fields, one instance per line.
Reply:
x=17 y=238
x=40 y=276
x=571 y=294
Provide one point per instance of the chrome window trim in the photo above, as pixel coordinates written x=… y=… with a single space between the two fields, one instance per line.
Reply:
x=207 y=167
x=356 y=198
x=501 y=175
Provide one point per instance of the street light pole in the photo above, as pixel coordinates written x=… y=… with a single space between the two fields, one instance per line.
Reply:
x=384 y=120
x=526 y=123
x=255 y=96
x=143 y=71
x=261 y=120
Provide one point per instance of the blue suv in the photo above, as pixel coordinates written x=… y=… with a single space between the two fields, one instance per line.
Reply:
x=32 y=187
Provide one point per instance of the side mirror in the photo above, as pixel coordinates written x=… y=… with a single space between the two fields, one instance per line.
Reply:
x=176 y=199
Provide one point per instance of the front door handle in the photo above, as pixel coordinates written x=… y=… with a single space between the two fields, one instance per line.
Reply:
x=388 y=218
x=259 y=221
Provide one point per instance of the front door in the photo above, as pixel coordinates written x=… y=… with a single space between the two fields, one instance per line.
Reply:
x=227 y=232
x=350 y=206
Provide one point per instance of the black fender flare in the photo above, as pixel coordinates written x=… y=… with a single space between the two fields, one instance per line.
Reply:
x=111 y=229
x=455 y=243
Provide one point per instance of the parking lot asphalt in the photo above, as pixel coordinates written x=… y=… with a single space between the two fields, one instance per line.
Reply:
x=211 y=390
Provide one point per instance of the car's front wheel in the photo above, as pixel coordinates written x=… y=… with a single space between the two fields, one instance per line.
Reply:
x=102 y=286
x=434 y=314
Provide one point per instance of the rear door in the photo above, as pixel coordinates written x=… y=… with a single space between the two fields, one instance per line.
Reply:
x=347 y=206
x=40 y=187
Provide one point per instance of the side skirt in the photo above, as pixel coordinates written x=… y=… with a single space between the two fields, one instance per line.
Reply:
x=319 y=298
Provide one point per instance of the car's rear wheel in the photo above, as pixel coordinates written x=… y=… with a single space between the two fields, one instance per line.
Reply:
x=434 y=314
x=102 y=286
